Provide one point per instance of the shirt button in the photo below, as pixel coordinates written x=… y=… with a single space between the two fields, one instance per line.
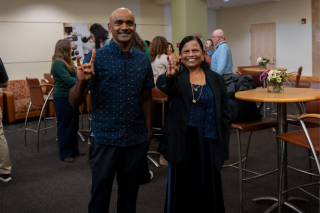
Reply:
x=128 y=98
x=128 y=85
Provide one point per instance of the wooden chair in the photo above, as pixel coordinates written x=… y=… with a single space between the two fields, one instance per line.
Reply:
x=307 y=139
x=297 y=75
x=311 y=107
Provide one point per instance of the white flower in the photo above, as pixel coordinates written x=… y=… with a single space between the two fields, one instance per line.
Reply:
x=279 y=79
x=259 y=60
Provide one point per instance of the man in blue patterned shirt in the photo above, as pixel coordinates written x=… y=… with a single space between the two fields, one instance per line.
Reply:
x=221 y=59
x=120 y=80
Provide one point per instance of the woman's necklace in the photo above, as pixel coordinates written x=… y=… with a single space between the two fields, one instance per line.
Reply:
x=196 y=89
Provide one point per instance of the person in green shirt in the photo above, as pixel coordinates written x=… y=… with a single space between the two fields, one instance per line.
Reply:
x=64 y=74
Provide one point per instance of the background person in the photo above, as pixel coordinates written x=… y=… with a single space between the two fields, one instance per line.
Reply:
x=99 y=35
x=221 y=60
x=209 y=43
x=5 y=163
x=158 y=53
x=64 y=74
x=171 y=54
x=196 y=133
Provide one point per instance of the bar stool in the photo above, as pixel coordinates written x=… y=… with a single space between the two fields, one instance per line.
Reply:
x=262 y=123
x=88 y=106
x=308 y=139
x=38 y=99
x=158 y=97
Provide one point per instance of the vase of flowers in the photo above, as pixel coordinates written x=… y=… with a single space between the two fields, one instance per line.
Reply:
x=263 y=62
x=275 y=80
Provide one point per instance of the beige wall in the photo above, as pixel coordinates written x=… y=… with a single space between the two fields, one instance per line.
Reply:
x=30 y=29
x=189 y=17
x=293 y=39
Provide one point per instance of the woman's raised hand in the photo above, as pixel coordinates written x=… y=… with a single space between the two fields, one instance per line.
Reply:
x=86 y=71
x=173 y=67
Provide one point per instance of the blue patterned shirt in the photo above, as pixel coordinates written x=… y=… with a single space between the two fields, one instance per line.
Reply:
x=117 y=117
x=221 y=59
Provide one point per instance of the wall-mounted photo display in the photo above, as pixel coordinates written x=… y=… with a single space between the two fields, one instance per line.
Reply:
x=83 y=37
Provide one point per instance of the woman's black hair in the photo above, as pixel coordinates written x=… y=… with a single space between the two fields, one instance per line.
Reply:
x=148 y=42
x=204 y=64
x=171 y=46
x=99 y=33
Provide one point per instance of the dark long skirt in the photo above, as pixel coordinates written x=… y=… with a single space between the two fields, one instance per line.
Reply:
x=193 y=184
x=67 y=126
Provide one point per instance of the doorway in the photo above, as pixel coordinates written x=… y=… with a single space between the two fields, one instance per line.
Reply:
x=263 y=43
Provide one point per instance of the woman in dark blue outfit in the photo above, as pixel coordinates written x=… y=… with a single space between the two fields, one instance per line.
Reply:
x=64 y=74
x=196 y=133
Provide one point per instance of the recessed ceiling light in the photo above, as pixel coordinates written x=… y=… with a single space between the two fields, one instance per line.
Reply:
x=225 y=0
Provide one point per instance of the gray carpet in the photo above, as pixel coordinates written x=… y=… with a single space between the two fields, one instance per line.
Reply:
x=43 y=183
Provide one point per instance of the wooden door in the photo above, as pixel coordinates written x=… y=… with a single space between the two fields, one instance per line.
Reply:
x=263 y=43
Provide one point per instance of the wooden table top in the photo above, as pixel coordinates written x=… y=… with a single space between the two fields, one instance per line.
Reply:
x=261 y=70
x=289 y=95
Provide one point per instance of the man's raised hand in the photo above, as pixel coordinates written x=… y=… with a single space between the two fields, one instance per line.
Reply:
x=173 y=67
x=86 y=71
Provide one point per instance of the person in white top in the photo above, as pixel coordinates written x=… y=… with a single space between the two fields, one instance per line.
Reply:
x=158 y=54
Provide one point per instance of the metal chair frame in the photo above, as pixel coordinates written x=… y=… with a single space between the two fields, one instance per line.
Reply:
x=315 y=158
x=44 y=109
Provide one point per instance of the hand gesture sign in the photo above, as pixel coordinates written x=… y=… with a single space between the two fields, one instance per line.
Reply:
x=173 y=67
x=86 y=71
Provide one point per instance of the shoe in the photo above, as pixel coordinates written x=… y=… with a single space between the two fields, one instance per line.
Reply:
x=151 y=175
x=68 y=160
x=81 y=153
x=5 y=177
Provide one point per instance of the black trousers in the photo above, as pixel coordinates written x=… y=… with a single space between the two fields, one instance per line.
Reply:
x=127 y=162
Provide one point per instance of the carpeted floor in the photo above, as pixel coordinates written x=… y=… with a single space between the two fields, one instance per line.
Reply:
x=43 y=183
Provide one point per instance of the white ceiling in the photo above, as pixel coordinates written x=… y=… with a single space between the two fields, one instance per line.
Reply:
x=219 y=4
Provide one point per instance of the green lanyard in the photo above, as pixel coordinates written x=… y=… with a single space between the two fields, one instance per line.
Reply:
x=220 y=44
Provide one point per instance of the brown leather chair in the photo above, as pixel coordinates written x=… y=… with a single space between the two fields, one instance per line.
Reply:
x=48 y=79
x=38 y=99
x=16 y=99
x=262 y=123
x=255 y=75
x=311 y=107
x=307 y=139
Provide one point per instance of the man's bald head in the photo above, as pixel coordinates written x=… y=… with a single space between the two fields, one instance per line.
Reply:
x=121 y=11
x=217 y=36
x=218 y=32
x=122 y=26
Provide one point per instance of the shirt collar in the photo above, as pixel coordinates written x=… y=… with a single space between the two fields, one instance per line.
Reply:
x=223 y=42
x=118 y=49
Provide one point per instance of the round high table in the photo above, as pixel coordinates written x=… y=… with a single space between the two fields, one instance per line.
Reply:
x=289 y=95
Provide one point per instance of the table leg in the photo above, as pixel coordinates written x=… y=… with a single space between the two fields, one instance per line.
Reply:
x=282 y=172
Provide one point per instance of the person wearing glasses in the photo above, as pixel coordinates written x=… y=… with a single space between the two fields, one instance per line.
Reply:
x=221 y=60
